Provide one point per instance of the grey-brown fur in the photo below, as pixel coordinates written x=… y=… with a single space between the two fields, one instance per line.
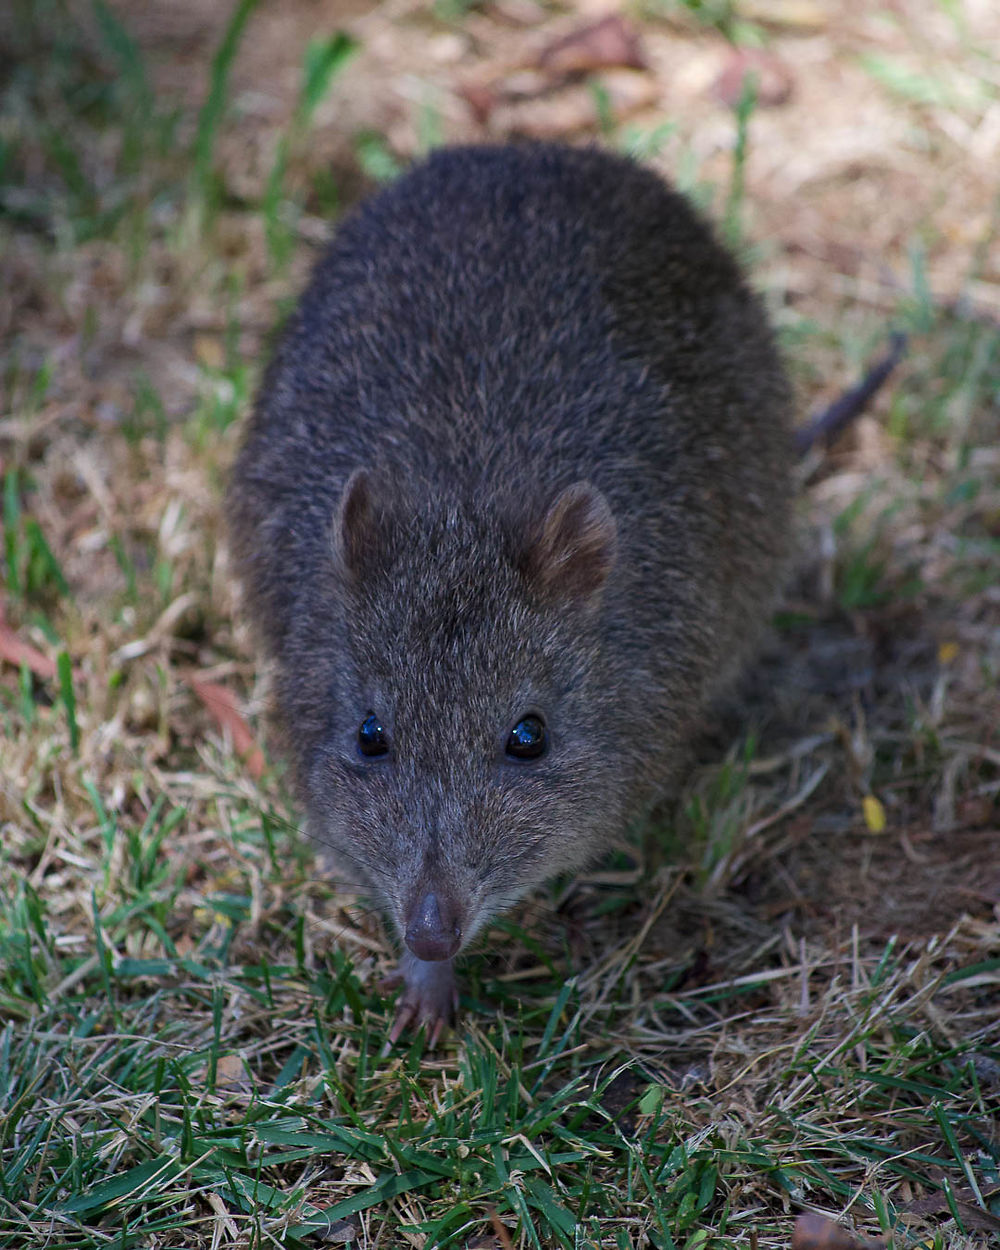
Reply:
x=497 y=326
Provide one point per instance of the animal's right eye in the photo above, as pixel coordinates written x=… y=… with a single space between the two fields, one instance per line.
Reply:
x=528 y=739
x=372 y=738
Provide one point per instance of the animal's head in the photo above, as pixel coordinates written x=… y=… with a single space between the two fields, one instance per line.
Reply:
x=470 y=752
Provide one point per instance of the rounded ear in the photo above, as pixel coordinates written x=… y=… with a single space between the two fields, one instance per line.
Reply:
x=574 y=549
x=356 y=527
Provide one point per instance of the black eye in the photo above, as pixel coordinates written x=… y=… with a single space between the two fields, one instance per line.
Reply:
x=528 y=739
x=372 y=738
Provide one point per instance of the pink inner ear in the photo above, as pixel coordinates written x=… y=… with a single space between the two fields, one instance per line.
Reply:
x=575 y=550
x=356 y=524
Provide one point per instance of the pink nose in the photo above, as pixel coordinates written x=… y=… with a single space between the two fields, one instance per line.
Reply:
x=432 y=929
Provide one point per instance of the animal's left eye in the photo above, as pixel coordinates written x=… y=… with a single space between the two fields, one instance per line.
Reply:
x=528 y=739
x=372 y=739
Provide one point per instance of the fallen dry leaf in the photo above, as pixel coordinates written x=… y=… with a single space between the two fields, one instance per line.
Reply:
x=774 y=80
x=599 y=45
x=802 y=16
x=611 y=45
x=220 y=703
x=501 y=1230
x=231 y=1073
x=480 y=98
x=339 y=1233
x=17 y=652
x=973 y=1216
x=518 y=12
x=816 y=1232
x=575 y=107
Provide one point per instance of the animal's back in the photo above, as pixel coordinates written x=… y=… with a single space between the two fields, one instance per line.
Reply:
x=504 y=321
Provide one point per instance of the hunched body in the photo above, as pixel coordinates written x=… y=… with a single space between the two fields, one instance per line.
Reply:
x=513 y=503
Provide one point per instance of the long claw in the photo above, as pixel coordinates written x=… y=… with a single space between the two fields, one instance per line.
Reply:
x=404 y=1018
x=429 y=998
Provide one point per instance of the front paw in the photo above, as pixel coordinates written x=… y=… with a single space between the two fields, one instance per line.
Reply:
x=429 y=997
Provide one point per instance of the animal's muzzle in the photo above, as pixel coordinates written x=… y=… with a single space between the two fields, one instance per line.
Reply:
x=433 y=931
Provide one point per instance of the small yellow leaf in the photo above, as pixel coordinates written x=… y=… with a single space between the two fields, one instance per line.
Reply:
x=947 y=652
x=874 y=814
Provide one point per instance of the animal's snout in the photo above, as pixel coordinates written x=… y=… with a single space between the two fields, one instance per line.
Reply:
x=433 y=931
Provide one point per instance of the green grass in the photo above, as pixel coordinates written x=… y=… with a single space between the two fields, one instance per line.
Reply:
x=191 y=1025
x=211 y=114
x=153 y=1082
